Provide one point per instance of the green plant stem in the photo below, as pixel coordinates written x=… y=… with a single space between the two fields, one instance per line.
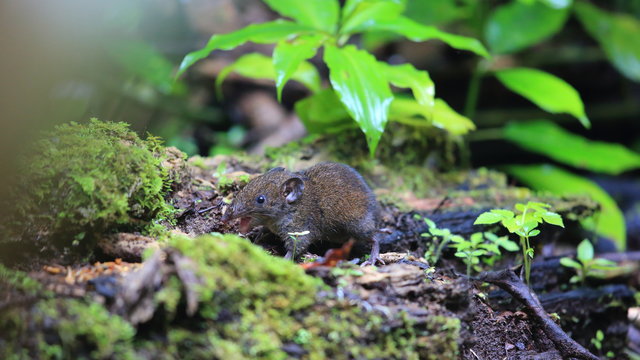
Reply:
x=473 y=91
x=439 y=250
x=486 y=134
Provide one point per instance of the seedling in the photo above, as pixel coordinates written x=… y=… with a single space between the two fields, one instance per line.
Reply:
x=294 y=236
x=524 y=224
x=586 y=266
x=435 y=248
x=477 y=246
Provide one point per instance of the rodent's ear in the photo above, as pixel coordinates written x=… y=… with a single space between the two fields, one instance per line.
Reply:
x=292 y=189
x=276 y=169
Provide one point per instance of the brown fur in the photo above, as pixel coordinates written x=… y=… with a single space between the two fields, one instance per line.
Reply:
x=334 y=204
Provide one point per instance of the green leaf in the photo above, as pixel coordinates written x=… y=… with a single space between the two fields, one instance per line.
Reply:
x=418 y=32
x=487 y=218
x=603 y=264
x=258 y=66
x=410 y=112
x=549 y=92
x=407 y=76
x=436 y=12
x=319 y=14
x=569 y=262
x=528 y=226
x=264 y=33
x=444 y=117
x=506 y=214
x=508 y=244
x=585 y=251
x=287 y=57
x=323 y=112
x=553 y=218
x=357 y=78
x=545 y=137
x=610 y=222
x=617 y=35
x=518 y=25
x=534 y=232
x=358 y=14
x=557 y=4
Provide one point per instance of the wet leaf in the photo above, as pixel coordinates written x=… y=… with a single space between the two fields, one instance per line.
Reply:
x=287 y=57
x=617 y=35
x=319 y=14
x=518 y=25
x=418 y=32
x=358 y=14
x=323 y=112
x=264 y=33
x=545 y=137
x=610 y=221
x=407 y=76
x=357 y=78
x=258 y=66
x=549 y=92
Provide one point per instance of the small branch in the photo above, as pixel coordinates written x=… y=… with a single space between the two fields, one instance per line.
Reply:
x=511 y=283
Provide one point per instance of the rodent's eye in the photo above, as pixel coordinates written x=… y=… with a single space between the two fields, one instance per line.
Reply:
x=261 y=199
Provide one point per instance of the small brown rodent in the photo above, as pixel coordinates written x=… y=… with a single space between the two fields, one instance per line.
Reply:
x=329 y=200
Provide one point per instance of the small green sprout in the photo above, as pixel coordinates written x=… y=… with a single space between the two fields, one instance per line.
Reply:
x=586 y=266
x=294 y=236
x=524 y=224
x=477 y=246
x=597 y=340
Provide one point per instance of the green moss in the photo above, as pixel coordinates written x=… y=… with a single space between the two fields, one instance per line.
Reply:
x=17 y=281
x=253 y=306
x=83 y=178
x=66 y=329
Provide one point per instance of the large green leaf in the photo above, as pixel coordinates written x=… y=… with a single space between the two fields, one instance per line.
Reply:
x=259 y=66
x=358 y=79
x=436 y=12
x=610 y=221
x=557 y=4
x=617 y=34
x=549 y=92
x=357 y=14
x=518 y=25
x=264 y=33
x=323 y=112
x=418 y=32
x=545 y=137
x=440 y=115
x=287 y=57
x=319 y=14
x=407 y=76
x=446 y=118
